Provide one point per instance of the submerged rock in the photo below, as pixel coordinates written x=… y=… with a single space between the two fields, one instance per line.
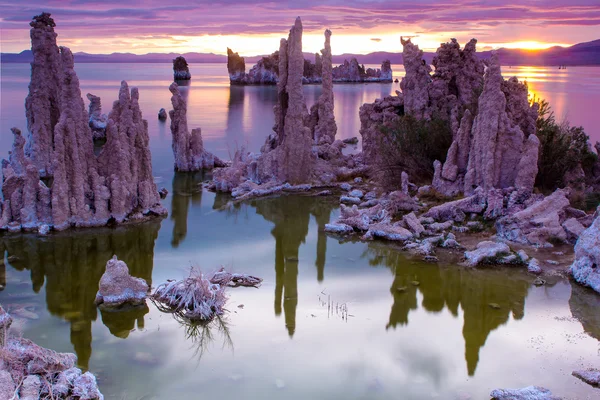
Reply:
x=86 y=190
x=181 y=71
x=117 y=287
x=586 y=267
x=533 y=266
x=486 y=252
x=162 y=114
x=590 y=376
x=188 y=149
x=528 y=393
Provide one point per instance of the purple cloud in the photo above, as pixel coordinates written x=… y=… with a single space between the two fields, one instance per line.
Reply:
x=111 y=20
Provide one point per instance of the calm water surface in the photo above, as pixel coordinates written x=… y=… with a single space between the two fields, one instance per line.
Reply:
x=328 y=322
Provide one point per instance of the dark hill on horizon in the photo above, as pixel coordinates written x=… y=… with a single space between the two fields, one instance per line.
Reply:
x=587 y=53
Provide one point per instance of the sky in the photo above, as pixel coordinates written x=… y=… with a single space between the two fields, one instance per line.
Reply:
x=253 y=27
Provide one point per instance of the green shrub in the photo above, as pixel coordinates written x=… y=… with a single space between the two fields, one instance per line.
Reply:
x=562 y=149
x=412 y=145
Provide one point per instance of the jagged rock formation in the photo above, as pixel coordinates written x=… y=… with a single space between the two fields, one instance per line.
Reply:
x=188 y=149
x=416 y=81
x=55 y=179
x=181 y=71
x=586 y=267
x=288 y=161
x=322 y=121
x=97 y=120
x=312 y=72
x=236 y=66
x=43 y=105
x=266 y=71
x=117 y=287
x=292 y=152
x=502 y=145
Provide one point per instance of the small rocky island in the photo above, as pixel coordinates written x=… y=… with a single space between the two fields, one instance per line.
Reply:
x=181 y=70
x=266 y=71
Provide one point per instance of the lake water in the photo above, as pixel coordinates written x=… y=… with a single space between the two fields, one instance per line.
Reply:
x=328 y=321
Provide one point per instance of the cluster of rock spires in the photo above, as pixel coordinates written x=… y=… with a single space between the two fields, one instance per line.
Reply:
x=31 y=372
x=181 y=71
x=493 y=124
x=302 y=148
x=266 y=71
x=188 y=149
x=54 y=180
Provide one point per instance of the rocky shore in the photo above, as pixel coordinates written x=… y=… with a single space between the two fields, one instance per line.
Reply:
x=31 y=372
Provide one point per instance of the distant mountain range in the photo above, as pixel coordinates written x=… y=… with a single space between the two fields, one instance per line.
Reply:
x=580 y=54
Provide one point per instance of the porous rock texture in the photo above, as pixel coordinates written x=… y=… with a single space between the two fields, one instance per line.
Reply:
x=322 y=120
x=33 y=372
x=181 y=70
x=416 y=81
x=97 y=120
x=586 y=267
x=188 y=149
x=500 y=140
x=117 y=287
x=54 y=179
x=528 y=393
x=539 y=223
x=494 y=143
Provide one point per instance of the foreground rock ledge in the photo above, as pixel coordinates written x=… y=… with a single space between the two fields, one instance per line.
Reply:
x=33 y=372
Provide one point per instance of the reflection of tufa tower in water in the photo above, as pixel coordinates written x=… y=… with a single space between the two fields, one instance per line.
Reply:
x=291 y=216
x=71 y=265
x=470 y=289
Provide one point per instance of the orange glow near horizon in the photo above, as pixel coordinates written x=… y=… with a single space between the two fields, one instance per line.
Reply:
x=253 y=45
x=532 y=45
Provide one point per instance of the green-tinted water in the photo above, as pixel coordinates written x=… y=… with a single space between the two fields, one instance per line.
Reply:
x=459 y=332
x=332 y=320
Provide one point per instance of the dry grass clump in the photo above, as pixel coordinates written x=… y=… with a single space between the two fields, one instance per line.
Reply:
x=193 y=298
x=198 y=297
